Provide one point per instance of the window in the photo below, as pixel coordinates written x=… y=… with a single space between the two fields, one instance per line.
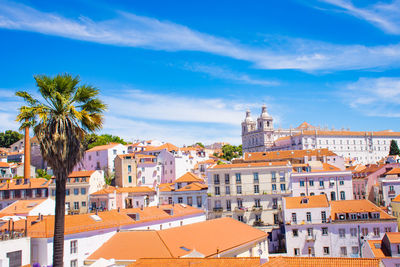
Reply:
x=129 y=168
x=388 y=229
x=354 y=250
x=74 y=263
x=342 y=195
x=67 y=192
x=217 y=193
x=324 y=230
x=342 y=233
x=376 y=231
x=295 y=232
x=240 y=218
x=333 y=196
x=301 y=183
x=343 y=251
x=74 y=246
x=257 y=202
x=227 y=190
x=311 y=182
x=76 y=191
x=282 y=176
x=321 y=184
x=283 y=187
x=273 y=187
x=353 y=216
x=239 y=189
x=341 y=181
x=296 y=251
x=216 y=178
x=391 y=188
x=323 y=216
x=83 y=191
x=240 y=202
x=190 y=201
x=238 y=178
x=326 y=250
x=199 y=201
x=294 y=217
x=274 y=203
x=273 y=177
x=364 y=231
x=353 y=232
x=83 y=203
x=53 y=192
x=309 y=231
x=228 y=204
x=308 y=216
x=129 y=179
x=115 y=152
x=227 y=178
x=256 y=189
x=255 y=176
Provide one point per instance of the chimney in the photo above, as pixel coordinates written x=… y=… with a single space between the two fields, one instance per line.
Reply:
x=27 y=155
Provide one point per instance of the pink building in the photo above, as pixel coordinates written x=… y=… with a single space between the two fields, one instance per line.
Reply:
x=317 y=227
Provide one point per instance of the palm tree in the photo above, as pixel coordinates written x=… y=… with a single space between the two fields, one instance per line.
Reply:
x=60 y=118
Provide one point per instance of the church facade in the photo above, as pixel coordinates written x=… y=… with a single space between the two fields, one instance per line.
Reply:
x=358 y=146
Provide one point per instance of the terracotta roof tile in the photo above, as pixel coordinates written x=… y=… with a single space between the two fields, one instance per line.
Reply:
x=356 y=206
x=198 y=262
x=4 y=164
x=394 y=237
x=393 y=171
x=286 y=154
x=193 y=187
x=24 y=206
x=168 y=146
x=81 y=174
x=306 y=202
x=103 y=147
x=33 y=183
x=318 y=262
x=189 y=178
x=249 y=165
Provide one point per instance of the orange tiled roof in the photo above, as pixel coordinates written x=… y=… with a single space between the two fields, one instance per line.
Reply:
x=166 y=187
x=136 y=189
x=286 y=154
x=393 y=171
x=208 y=161
x=188 y=178
x=80 y=174
x=198 y=262
x=394 y=237
x=248 y=165
x=325 y=168
x=180 y=241
x=193 y=187
x=350 y=133
x=22 y=206
x=168 y=146
x=396 y=199
x=304 y=125
x=107 y=190
x=317 y=201
x=33 y=183
x=376 y=250
x=321 y=261
x=4 y=165
x=109 y=219
x=357 y=206
x=103 y=147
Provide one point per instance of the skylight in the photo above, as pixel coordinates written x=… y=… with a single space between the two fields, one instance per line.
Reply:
x=95 y=217
x=185 y=248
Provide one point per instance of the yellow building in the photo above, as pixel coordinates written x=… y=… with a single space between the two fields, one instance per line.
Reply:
x=396 y=208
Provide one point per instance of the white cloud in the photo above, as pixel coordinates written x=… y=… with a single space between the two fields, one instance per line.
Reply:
x=382 y=15
x=374 y=96
x=138 y=31
x=226 y=74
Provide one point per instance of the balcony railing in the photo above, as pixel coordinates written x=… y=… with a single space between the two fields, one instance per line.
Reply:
x=311 y=238
x=218 y=209
x=258 y=223
x=392 y=193
x=257 y=208
x=240 y=209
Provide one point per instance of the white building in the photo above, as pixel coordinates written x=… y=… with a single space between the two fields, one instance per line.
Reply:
x=389 y=186
x=31 y=207
x=187 y=189
x=15 y=252
x=363 y=147
x=316 y=178
x=317 y=227
x=85 y=233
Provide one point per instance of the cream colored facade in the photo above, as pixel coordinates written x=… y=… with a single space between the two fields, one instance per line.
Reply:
x=125 y=170
x=396 y=210
x=251 y=193
x=79 y=186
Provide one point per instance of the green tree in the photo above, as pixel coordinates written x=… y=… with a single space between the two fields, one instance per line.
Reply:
x=200 y=144
x=9 y=137
x=394 y=148
x=60 y=120
x=229 y=152
x=40 y=173
x=93 y=140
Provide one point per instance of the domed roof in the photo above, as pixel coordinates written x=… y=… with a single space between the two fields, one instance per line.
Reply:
x=264 y=113
x=248 y=117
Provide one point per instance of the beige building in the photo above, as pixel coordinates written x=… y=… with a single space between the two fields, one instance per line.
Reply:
x=80 y=185
x=137 y=170
x=125 y=170
x=249 y=192
x=396 y=208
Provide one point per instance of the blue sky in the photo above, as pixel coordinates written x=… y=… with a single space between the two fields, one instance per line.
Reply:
x=185 y=71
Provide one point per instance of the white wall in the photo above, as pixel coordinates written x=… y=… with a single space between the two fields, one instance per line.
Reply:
x=12 y=245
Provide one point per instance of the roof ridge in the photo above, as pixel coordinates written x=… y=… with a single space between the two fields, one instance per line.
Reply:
x=162 y=240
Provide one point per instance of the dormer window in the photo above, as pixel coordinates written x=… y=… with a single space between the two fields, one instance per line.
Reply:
x=353 y=216
x=375 y=215
x=342 y=217
x=304 y=200
x=364 y=216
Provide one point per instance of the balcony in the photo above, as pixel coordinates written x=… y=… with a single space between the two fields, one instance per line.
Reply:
x=311 y=238
x=392 y=193
x=218 y=209
x=258 y=223
x=258 y=208
x=240 y=209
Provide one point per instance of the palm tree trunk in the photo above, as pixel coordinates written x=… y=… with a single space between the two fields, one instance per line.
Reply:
x=58 y=240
